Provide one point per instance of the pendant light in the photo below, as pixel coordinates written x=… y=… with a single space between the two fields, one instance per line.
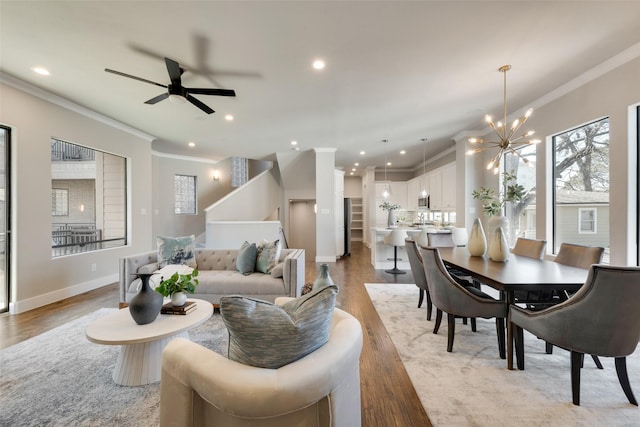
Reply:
x=387 y=191
x=423 y=191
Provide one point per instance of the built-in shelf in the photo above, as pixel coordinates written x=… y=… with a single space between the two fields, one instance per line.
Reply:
x=356 y=219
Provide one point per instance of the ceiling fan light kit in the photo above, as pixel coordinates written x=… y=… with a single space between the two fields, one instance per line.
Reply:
x=507 y=141
x=175 y=91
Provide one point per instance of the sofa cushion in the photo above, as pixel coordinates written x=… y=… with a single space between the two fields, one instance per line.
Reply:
x=266 y=335
x=176 y=250
x=278 y=270
x=268 y=255
x=246 y=260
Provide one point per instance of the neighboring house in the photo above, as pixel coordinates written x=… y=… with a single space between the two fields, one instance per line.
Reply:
x=582 y=217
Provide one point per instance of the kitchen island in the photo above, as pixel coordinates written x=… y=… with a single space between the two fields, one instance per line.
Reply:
x=382 y=254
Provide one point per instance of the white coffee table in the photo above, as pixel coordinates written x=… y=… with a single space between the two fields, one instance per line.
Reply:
x=140 y=358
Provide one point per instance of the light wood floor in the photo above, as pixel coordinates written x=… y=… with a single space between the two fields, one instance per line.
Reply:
x=388 y=397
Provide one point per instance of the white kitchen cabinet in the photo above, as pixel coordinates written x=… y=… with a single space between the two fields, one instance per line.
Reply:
x=449 y=186
x=413 y=192
x=435 y=189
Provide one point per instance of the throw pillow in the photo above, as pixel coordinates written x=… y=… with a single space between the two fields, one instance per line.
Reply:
x=268 y=255
x=176 y=250
x=266 y=335
x=246 y=259
x=278 y=270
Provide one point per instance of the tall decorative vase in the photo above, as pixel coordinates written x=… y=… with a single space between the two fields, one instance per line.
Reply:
x=477 y=243
x=498 y=247
x=146 y=305
x=391 y=218
x=496 y=221
x=323 y=279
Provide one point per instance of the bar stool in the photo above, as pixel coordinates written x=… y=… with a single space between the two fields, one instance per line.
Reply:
x=395 y=239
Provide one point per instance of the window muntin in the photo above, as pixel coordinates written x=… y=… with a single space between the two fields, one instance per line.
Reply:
x=581 y=181
x=185 y=194
x=587 y=220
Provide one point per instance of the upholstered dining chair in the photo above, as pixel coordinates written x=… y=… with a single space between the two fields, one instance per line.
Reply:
x=415 y=261
x=531 y=248
x=441 y=240
x=601 y=319
x=458 y=301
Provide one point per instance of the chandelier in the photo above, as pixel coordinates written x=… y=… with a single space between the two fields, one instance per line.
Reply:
x=507 y=142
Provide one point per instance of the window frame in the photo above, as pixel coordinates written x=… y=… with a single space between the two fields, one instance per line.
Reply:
x=593 y=221
x=55 y=192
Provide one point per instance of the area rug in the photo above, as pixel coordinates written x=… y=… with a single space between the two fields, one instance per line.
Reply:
x=473 y=387
x=59 y=378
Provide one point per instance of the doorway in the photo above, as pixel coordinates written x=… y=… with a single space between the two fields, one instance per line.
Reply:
x=5 y=199
x=302 y=227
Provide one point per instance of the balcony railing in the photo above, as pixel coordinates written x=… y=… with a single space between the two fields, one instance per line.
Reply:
x=65 y=151
x=69 y=239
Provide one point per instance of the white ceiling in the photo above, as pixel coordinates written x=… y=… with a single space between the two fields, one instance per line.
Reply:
x=395 y=70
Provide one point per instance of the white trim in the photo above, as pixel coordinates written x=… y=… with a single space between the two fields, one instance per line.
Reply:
x=72 y=106
x=181 y=157
x=595 y=221
x=60 y=294
x=325 y=258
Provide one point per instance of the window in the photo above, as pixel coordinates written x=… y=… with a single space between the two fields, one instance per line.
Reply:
x=587 y=220
x=239 y=171
x=59 y=202
x=522 y=215
x=581 y=186
x=88 y=199
x=185 y=194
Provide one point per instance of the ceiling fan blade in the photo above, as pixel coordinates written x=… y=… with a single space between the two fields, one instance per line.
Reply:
x=174 y=72
x=199 y=104
x=133 y=77
x=219 y=92
x=157 y=98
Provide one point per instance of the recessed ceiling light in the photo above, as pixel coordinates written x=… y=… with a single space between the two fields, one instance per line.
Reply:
x=362 y=153
x=353 y=170
x=294 y=142
x=351 y=173
x=318 y=64
x=41 y=70
x=356 y=164
x=403 y=152
x=388 y=163
x=192 y=144
x=228 y=118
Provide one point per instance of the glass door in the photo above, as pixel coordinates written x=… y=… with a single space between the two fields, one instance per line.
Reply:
x=5 y=143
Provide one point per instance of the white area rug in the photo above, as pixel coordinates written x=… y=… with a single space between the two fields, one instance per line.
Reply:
x=59 y=378
x=473 y=387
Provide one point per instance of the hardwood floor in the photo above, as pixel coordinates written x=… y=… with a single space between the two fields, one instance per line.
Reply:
x=388 y=396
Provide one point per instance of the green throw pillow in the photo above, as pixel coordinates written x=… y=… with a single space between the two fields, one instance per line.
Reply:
x=176 y=250
x=268 y=255
x=246 y=259
x=266 y=335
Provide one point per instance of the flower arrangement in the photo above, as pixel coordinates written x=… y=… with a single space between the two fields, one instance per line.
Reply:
x=388 y=206
x=492 y=204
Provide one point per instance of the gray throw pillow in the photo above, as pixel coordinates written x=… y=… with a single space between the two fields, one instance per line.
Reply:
x=176 y=250
x=278 y=270
x=246 y=259
x=268 y=256
x=266 y=335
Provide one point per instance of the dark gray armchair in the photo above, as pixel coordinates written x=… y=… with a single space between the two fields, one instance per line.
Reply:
x=601 y=319
x=415 y=261
x=458 y=301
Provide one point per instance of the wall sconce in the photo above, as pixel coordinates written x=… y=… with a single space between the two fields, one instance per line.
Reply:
x=215 y=175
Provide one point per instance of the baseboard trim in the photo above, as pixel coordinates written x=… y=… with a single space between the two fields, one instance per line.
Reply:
x=60 y=294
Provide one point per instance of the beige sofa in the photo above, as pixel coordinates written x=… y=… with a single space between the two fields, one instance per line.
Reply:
x=218 y=275
x=202 y=388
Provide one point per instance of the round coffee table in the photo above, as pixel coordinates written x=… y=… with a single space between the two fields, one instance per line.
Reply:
x=140 y=358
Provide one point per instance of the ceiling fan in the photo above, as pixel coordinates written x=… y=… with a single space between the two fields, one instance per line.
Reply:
x=175 y=90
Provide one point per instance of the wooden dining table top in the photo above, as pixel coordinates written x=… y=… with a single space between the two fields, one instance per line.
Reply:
x=517 y=273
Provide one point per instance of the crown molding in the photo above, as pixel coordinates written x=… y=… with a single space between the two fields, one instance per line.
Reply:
x=71 y=106
x=181 y=157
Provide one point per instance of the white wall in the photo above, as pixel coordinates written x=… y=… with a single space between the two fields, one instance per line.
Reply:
x=37 y=278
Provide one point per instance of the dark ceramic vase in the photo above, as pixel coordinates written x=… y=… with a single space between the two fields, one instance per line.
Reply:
x=323 y=279
x=146 y=305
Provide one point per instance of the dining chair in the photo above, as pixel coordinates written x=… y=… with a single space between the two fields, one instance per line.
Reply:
x=441 y=240
x=415 y=261
x=530 y=248
x=602 y=318
x=458 y=301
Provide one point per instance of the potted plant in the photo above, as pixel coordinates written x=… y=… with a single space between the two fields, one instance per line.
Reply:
x=177 y=286
x=391 y=208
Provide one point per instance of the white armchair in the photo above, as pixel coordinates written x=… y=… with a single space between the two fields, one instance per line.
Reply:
x=202 y=388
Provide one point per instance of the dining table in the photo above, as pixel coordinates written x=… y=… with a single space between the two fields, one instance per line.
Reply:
x=517 y=273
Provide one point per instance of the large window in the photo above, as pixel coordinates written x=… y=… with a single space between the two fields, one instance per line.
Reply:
x=185 y=194
x=522 y=215
x=581 y=186
x=88 y=199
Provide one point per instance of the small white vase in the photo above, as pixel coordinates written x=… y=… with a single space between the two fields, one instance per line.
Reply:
x=498 y=247
x=496 y=221
x=391 y=218
x=178 y=299
x=477 y=243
